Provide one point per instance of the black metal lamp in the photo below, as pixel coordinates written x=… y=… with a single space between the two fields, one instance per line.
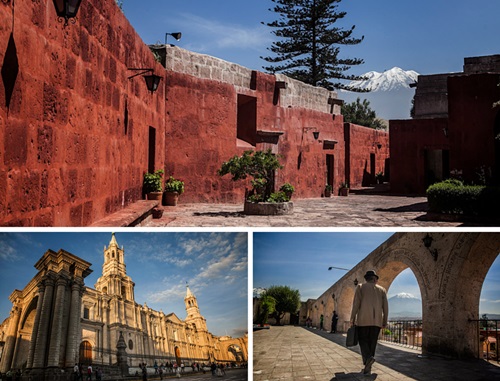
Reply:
x=316 y=135
x=356 y=282
x=67 y=9
x=427 y=240
x=152 y=80
x=176 y=35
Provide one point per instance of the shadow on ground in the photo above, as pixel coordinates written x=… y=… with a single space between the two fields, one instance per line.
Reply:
x=418 y=367
x=220 y=214
x=351 y=376
x=418 y=207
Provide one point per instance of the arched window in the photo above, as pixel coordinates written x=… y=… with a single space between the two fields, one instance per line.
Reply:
x=85 y=352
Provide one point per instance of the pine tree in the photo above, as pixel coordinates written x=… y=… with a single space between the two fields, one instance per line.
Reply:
x=309 y=43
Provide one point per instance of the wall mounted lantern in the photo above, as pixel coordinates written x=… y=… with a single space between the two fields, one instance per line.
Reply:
x=152 y=80
x=176 y=35
x=316 y=135
x=427 y=240
x=356 y=282
x=67 y=9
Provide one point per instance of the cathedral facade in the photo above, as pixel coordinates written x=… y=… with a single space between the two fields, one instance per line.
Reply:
x=56 y=321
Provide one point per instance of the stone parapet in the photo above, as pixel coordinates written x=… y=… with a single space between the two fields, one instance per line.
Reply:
x=295 y=94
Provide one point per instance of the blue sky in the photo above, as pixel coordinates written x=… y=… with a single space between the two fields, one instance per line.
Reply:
x=301 y=261
x=214 y=264
x=428 y=36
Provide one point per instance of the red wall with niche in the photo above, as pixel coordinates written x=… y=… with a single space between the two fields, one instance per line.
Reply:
x=73 y=128
x=201 y=133
x=364 y=142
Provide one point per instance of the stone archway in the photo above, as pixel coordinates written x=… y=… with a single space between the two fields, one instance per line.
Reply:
x=450 y=274
x=235 y=352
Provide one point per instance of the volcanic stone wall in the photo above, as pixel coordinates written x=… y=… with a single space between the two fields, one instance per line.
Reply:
x=205 y=97
x=367 y=154
x=74 y=129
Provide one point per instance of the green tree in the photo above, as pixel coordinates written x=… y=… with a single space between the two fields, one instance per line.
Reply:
x=361 y=113
x=309 y=43
x=260 y=165
x=267 y=305
x=287 y=300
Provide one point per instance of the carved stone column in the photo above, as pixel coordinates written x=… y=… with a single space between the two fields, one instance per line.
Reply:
x=41 y=291
x=74 y=326
x=43 y=328
x=10 y=342
x=57 y=322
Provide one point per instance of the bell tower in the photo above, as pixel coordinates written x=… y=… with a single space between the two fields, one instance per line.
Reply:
x=114 y=280
x=193 y=312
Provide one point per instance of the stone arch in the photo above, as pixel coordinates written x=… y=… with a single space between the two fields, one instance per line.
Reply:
x=344 y=306
x=235 y=352
x=468 y=264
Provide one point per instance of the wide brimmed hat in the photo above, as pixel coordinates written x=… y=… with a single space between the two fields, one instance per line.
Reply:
x=371 y=273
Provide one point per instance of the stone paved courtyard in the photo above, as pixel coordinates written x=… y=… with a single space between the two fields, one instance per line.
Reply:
x=356 y=210
x=298 y=353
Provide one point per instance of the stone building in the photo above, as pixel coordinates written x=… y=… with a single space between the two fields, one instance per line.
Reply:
x=78 y=131
x=454 y=131
x=57 y=321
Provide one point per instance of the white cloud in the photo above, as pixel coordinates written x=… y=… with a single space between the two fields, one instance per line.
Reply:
x=222 y=36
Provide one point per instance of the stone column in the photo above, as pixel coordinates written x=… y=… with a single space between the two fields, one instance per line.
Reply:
x=57 y=322
x=74 y=326
x=43 y=328
x=10 y=343
x=41 y=291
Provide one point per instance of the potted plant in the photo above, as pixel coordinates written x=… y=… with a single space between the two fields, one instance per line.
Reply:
x=152 y=185
x=261 y=167
x=173 y=189
x=344 y=189
x=328 y=190
x=379 y=176
x=288 y=190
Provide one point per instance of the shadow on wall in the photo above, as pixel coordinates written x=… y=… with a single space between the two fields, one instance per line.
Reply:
x=10 y=70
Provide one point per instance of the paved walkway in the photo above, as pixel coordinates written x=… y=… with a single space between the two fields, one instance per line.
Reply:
x=298 y=353
x=357 y=210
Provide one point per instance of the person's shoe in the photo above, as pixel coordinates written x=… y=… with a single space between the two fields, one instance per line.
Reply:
x=368 y=365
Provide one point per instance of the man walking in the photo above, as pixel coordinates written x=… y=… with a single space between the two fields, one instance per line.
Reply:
x=369 y=313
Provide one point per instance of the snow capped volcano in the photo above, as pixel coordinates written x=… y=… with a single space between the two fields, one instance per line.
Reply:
x=390 y=96
x=405 y=295
x=389 y=80
x=405 y=305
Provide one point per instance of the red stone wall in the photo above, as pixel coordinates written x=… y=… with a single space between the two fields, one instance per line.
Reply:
x=202 y=133
x=361 y=143
x=470 y=134
x=472 y=119
x=73 y=127
x=408 y=141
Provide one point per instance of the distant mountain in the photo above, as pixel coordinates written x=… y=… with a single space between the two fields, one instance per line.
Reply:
x=390 y=94
x=405 y=305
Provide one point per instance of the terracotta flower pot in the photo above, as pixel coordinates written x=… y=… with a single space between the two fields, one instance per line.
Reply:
x=155 y=195
x=171 y=198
